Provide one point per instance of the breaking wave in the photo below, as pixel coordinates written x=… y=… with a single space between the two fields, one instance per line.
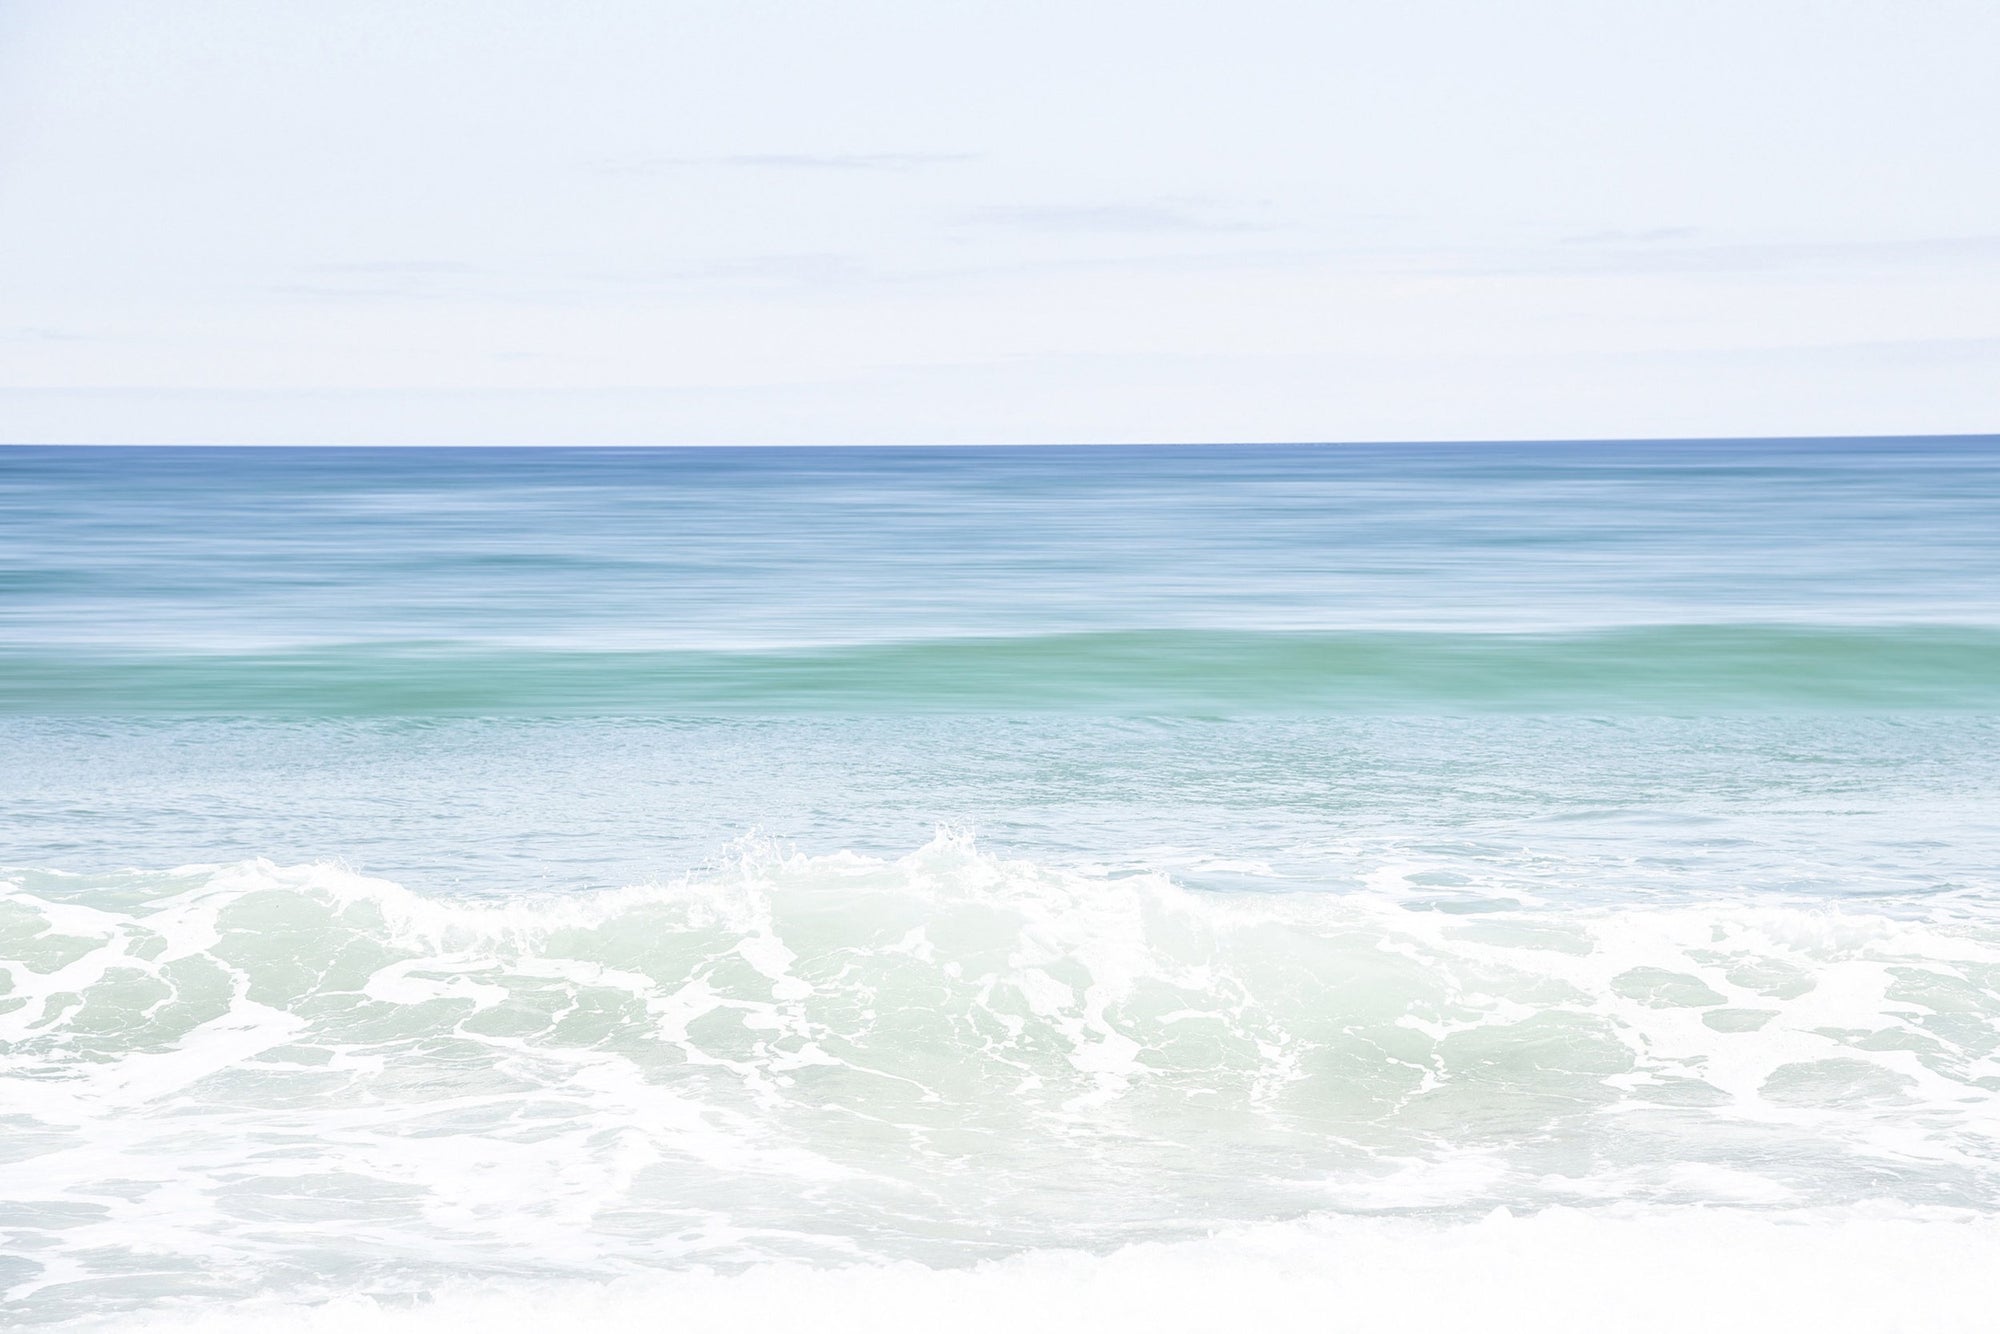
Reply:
x=301 y=1081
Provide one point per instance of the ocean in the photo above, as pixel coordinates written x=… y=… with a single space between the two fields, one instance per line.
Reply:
x=1503 y=885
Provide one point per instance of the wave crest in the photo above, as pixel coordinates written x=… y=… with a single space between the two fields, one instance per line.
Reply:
x=1123 y=672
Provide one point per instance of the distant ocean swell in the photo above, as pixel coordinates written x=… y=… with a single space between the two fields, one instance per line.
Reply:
x=1667 y=667
x=300 y=1081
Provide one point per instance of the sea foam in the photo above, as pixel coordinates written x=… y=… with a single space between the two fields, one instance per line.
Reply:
x=1558 y=1272
x=298 y=1083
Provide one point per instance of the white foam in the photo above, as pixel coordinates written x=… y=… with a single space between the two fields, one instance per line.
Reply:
x=935 y=1058
x=1559 y=1272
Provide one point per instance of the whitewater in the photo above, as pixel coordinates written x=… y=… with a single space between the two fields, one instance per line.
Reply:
x=1543 y=887
x=305 y=1080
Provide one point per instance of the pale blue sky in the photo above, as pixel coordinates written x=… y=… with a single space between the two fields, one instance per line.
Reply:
x=848 y=222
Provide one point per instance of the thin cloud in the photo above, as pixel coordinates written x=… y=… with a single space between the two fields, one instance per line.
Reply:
x=382 y=278
x=409 y=267
x=779 y=270
x=1641 y=236
x=1125 y=219
x=45 y=334
x=1973 y=351
x=1668 y=256
x=891 y=162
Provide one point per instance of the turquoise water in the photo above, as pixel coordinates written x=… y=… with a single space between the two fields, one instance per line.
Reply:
x=579 y=867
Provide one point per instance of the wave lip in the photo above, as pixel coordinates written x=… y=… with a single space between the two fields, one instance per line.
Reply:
x=1668 y=668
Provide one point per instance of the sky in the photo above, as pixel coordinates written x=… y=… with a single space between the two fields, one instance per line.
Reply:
x=610 y=222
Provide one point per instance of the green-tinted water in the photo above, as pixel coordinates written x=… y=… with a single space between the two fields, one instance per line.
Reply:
x=425 y=865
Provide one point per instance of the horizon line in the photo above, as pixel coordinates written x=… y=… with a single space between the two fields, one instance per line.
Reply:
x=1865 y=438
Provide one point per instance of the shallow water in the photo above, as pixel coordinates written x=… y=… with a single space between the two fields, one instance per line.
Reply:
x=434 y=869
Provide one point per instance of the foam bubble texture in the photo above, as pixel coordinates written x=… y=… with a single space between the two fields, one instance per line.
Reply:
x=305 y=1083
